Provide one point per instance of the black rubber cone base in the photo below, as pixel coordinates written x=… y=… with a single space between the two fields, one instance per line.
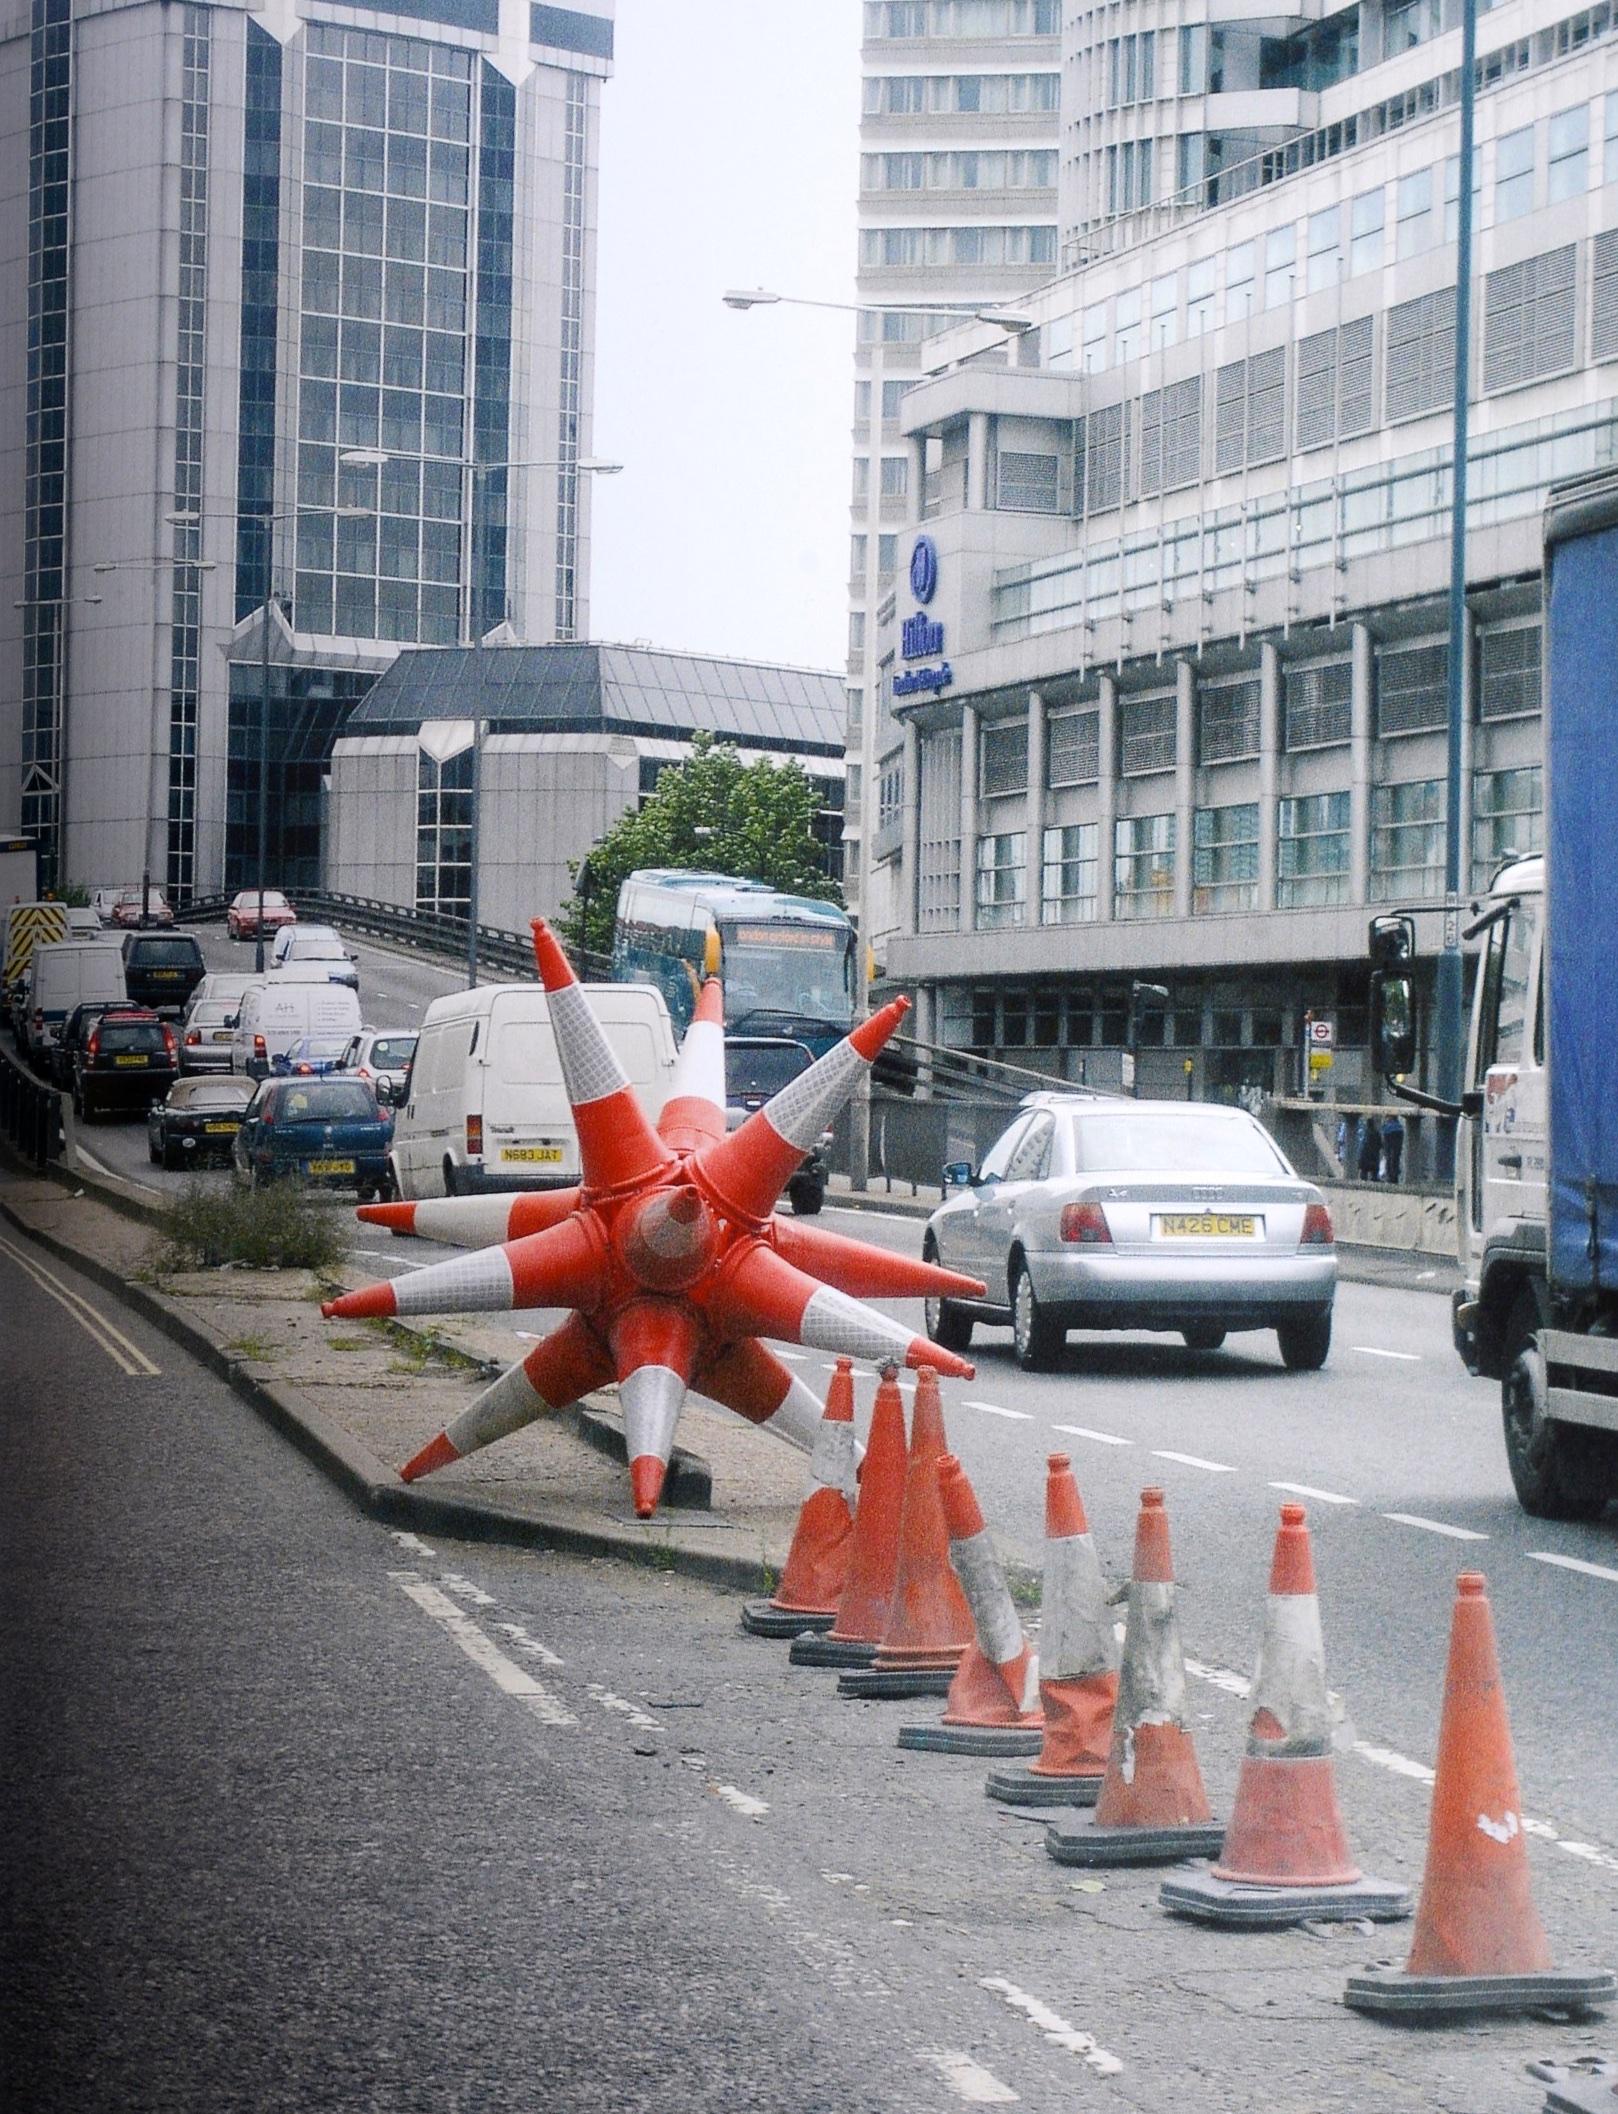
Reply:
x=1025 y=1787
x=830 y=1651
x=896 y=1684
x=974 y=1739
x=1228 y=1901
x=1079 y=1841
x=762 y=1618
x=1392 y=1994
x=1583 y=2095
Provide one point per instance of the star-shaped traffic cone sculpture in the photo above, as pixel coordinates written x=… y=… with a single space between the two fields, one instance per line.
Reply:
x=668 y=1251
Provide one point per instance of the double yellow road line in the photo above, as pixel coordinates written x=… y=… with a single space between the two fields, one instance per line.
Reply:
x=127 y=1356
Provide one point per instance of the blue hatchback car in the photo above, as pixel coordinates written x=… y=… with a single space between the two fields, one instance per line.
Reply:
x=327 y=1131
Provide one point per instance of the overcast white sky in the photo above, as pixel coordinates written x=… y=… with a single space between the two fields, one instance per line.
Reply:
x=729 y=157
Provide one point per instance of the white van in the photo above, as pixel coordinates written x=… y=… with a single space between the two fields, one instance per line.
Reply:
x=65 y=974
x=484 y=1107
x=274 y=1014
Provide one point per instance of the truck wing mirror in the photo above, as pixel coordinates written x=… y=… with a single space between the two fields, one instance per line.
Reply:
x=1393 y=1022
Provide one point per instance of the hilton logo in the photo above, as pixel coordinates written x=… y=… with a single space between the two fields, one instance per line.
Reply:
x=919 y=636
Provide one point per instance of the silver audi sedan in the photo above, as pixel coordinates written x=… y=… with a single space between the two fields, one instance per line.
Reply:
x=1094 y=1213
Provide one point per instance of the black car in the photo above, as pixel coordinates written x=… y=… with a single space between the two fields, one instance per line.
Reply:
x=75 y=1033
x=162 y=969
x=128 y=1060
x=757 y=1066
x=198 y=1122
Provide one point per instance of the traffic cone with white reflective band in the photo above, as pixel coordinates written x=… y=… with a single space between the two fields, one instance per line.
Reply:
x=1152 y=1808
x=1478 y=1945
x=817 y=1563
x=873 y=1552
x=474 y=1221
x=1286 y=1854
x=568 y=1365
x=993 y=1702
x=617 y=1145
x=1078 y=1661
x=929 y=1623
x=694 y=1113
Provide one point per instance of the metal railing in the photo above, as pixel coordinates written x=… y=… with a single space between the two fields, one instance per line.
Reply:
x=30 y=1112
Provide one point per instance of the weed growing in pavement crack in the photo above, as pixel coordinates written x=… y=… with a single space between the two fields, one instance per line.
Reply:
x=276 y=1228
x=255 y=1348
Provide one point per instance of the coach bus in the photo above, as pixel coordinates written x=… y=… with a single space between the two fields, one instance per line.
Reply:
x=788 y=963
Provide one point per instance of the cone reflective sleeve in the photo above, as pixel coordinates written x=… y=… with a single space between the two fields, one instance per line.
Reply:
x=694 y=1113
x=995 y=1620
x=816 y=1568
x=561 y=1267
x=1152 y=1777
x=1078 y=1651
x=760 y=1294
x=617 y=1146
x=654 y=1347
x=555 y=1374
x=748 y=1378
x=474 y=1221
x=862 y=1611
x=746 y=1172
x=929 y=1624
x=864 y=1271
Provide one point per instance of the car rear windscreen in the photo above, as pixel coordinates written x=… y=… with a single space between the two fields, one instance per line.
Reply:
x=1171 y=1145
x=163 y=954
x=326 y=1102
x=131 y=1036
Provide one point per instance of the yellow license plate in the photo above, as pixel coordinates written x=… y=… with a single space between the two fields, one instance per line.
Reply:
x=220 y=1130
x=542 y=1155
x=165 y=976
x=1208 y=1225
x=331 y=1166
x=222 y=1035
x=131 y=1060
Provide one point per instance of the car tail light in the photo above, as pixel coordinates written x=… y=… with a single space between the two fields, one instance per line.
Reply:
x=192 y=1037
x=92 y=1048
x=474 y=1137
x=169 y=1046
x=39 y=1023
x=1086 y=1223
x=1317 y=1231
x=258 y=1045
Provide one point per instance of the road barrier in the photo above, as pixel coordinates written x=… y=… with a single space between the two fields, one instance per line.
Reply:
x=30 y=1113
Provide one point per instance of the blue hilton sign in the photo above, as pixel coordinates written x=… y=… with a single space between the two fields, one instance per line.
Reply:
x=921 y=636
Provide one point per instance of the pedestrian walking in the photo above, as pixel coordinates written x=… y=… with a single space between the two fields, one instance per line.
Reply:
x=1393 y=1148
x=1370 y=1155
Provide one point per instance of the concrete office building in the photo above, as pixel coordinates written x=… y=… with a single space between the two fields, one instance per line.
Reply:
x=957 y=204
x=575 y=735
x=238 y=246
x=1175 y=710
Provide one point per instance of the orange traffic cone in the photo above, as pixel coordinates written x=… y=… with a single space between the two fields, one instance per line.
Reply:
x=817 y=1563
x=1078 y=1661
x=993 y=1705
x=873 y=1553
x=1152 y=1808
x=1479 y=1946
x=1286 y=1852
x=929 y=1624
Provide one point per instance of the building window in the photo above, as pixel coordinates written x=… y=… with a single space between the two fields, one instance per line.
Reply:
x=938 y=891
x=1325 y=249
x=1530 y=321
x=1414 y=232
x=1412 y=689
x=1143 y=866
x=1280 y=266
x=1126 y=313
x=1365 y=233
x=1146 y=734
x=1604 y=296
x=1334 y=387
x=1069 y=875
x=895 y=476
x=1312 y=851
x=1027 y=483
x=1507 y=819
x=1224 y=871
x=1240 y=267
x=1509 y=673
x=1072 y=748
x=1165 y=311
x=1407 y=23
x=1004 y=759
x=1002 y=880
x=1171 y=436
x=1201 y=296
x=1106 y=467
x=444 y=833
x=1250 y=410
x=1227 y=721
x=890 y=792
x=1319 y=705
x=1407 y=841
x=1419 y=355
x=1609 y=141
x=1513 y=175
x=1569 y=152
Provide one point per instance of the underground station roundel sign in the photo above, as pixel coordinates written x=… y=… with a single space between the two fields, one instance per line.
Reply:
x=924 y=569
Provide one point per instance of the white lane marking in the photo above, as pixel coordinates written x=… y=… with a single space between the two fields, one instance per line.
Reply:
x=1391 y=1759
x=791 y=1357
x=635 y=1715
x=888 y=1218
x=745 y=1804
x=1083 y=1431
x=1192 y=1460
x=464 y=1589
x=130 y=1359
x=510 y=1678
x=1054 y=2027
x=1574 y=1563
x=1369 y=1350
x=969 y=2080
x=1435 y=1526
x=1323 y=1497
x=524 y=1643
x=993 y=1409
x=1233 y=1684
x=373 y=1256
x=407 y=1540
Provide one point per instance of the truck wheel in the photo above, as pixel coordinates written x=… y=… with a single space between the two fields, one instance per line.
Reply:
x=947 y=1326
x=1036 y=1340
x=1553 y=1469
x=1305 y=1342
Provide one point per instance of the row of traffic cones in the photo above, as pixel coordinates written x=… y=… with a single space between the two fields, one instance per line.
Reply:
x=914 y=1601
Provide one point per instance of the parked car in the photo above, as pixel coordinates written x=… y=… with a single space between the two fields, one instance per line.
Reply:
x=62 y=975
x=104 y=901
x=162 y=969
x=197 y=1121
x=316 y=948
x=241 y=919
x=1095 y=1213
x=132 y=909
x=275 y=1013
x=757 y=1066
x=206 y=1034
x=329 y=1131
x=75 y=1033
x=381 y=1057
x=229 y=985
x=129 y=1059
x=310 y=1057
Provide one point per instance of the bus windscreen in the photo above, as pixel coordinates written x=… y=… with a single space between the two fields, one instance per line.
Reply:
x=778 y=972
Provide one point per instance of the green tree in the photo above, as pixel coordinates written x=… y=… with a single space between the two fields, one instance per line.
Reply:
x=754 y=821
